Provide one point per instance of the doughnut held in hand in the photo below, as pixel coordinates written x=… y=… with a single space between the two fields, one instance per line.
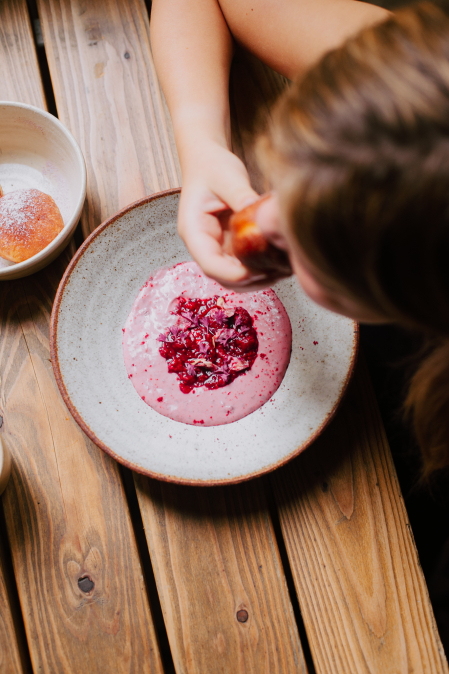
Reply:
x=29 y=221
x=252 y=248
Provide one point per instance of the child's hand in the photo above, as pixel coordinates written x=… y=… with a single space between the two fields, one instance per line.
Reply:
x=215 y=184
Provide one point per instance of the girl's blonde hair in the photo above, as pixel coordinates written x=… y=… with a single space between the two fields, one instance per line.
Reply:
x=358 y=150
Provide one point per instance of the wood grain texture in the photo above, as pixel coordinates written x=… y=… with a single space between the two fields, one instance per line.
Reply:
x=10 y=644
x=108 y=95
x=65 y=510
x=20 y=80
x=216 y=563
x=361 y=589
x=65 y=506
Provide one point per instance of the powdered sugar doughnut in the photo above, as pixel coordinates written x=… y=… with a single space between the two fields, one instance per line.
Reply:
x=153 y=313
x=29 y=221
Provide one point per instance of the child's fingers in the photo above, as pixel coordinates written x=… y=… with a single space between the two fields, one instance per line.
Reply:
x=234 y=188
x=205 y=245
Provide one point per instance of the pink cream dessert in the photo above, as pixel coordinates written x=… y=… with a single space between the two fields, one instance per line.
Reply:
x=200 y=354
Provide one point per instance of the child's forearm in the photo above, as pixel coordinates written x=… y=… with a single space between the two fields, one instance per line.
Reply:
x=192 y=50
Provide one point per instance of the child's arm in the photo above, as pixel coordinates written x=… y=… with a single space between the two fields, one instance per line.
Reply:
x=290 y=36
x=192 y=48
x=193 y=51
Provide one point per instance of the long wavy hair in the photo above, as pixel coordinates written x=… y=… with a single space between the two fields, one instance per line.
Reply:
x=358 y=150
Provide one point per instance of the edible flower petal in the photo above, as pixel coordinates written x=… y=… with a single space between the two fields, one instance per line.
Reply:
x=203 y=347
x=194 y=320
x=190 y=369
x=220 y=316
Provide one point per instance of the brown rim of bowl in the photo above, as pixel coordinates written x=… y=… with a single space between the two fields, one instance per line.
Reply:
x=80 y=421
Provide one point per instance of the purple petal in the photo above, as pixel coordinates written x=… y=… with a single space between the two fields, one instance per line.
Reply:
x=225 y=335
x=190 y=317
x=175 y=330
x=162 y=338
x=203 y=347
x=220 y=317
x=205 y=321
x=224 y=370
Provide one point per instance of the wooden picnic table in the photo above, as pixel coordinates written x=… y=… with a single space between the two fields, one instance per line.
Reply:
x=312 y=568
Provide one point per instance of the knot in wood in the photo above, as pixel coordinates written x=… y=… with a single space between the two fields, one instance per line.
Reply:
x=242 y=616
x=127 y=55
x=85 y=584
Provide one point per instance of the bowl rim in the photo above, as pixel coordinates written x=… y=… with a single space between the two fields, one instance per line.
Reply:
x=90 y=433
x=70 y=226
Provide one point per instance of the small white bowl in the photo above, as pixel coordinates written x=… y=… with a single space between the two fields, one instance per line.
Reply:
x=5 y=465
x=37 y=151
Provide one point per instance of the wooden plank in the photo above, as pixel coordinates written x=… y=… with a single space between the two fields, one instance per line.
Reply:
x=220 y=580
x=21 y=80
x=9 y=650
x=107 y=94
x=65 y=506
x=10 y=660
x=361 y=589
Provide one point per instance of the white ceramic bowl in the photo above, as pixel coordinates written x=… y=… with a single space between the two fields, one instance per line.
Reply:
x=37 y=151
x=91 y=306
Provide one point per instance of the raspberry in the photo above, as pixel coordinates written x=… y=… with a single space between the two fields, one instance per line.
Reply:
x=210 y=345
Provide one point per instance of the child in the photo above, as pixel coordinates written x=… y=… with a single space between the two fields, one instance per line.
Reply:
x=358 y=154
x=192 y=47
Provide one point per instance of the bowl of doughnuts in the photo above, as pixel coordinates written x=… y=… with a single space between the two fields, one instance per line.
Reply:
x=42 y=188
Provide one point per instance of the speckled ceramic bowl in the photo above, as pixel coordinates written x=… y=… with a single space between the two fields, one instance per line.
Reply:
x=91 y=306
x=37 y=151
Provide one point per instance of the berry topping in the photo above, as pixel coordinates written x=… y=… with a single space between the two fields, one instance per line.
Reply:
x=211 y=345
